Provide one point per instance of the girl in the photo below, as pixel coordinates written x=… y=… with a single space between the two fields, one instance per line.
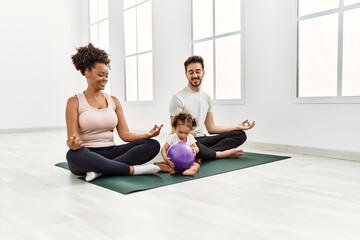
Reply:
x=183 y=126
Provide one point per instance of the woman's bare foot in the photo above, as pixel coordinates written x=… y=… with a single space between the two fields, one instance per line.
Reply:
x=231 y=153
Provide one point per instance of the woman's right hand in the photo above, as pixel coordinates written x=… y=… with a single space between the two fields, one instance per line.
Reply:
x=74 y=142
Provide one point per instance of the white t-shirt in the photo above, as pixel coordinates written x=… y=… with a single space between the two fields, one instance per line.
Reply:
x=173 y=138
x=198 y=104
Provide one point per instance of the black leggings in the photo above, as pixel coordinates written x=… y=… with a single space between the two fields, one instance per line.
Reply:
x=113 y=160
x=209 y=145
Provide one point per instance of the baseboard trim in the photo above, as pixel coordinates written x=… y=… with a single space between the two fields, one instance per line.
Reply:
x=25 y=130
x=319 y=152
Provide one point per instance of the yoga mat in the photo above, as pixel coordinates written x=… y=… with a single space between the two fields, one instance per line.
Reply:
x=129 y=184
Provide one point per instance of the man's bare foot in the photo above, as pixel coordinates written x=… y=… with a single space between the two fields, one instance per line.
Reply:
x=231 y=153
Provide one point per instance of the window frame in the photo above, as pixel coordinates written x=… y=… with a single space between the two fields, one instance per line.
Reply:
x=97 y=23
x=137 y=54
x=328 y=99
x=213 y=38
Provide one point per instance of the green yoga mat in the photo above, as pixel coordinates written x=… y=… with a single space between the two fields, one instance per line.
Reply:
x=129 y=184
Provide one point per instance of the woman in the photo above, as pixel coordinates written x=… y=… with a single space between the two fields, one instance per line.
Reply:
x=92 y=116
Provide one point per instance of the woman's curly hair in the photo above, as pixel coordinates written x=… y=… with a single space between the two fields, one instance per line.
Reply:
x=87 y=56
x=184 y=118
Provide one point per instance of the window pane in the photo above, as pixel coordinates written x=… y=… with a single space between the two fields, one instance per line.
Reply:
x=104 y=35
x=318 y=56
x=103 y=9
x=228 y=65
x=93 y=11
x=144 y=27
x=131 y=79
x=348 y=2
x=145 y=77
x=205 y=50
x=351 y=54
x=312 y=6
x=227 y=16
x=94 y=34
x=130 y=31
x=202 y=18
x=129 y=3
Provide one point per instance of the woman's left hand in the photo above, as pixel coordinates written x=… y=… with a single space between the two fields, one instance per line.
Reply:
x=155 y=131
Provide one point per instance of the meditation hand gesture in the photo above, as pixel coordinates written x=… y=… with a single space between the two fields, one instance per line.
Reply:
x=74 y=142
x=246 y=125
x=155 y=131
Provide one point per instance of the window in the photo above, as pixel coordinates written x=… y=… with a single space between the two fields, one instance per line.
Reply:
x=138 y=50
x=99 y=23
x=99 y=26
x=217 y=37
x=328 y=54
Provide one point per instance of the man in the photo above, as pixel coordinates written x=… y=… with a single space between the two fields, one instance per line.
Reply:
x=224 y=141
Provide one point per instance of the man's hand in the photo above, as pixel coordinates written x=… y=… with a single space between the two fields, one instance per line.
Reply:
x=246 y=125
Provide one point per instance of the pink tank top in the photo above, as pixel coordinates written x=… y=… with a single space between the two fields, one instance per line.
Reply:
x=96 y=126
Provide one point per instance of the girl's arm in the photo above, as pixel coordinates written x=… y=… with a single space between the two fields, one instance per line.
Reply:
x=164 y=150
x=195 y=148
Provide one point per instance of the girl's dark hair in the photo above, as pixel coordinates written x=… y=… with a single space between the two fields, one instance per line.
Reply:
x=194 y=59
x=87 y=56
x=184 y=119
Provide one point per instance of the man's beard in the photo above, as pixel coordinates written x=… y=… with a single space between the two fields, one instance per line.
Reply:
x=195 y=84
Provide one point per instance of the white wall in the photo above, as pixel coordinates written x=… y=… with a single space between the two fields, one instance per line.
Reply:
x=171 y=47
x=39 y=77
x=270 y=77
x=38 y=38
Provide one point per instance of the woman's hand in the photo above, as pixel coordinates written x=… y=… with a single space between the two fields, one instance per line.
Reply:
x=74 y=142
x=155 y=131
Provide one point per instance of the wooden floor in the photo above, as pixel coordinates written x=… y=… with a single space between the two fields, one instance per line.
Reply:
x=299 y=198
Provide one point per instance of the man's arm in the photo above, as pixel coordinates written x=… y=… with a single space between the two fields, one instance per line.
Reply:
x=212 y=128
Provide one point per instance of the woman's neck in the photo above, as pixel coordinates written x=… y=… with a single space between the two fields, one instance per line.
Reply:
x=89 y=93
